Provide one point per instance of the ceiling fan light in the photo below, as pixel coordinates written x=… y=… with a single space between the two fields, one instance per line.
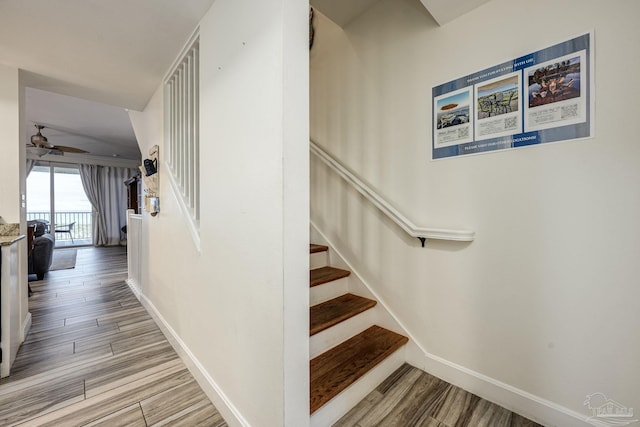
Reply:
x=39 y=151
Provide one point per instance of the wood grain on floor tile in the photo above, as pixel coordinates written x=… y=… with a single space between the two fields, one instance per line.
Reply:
x=130 y=416
x=170 y=402
x=94 y=356
x=411 y=397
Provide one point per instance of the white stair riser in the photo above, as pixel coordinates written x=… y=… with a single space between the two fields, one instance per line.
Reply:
x=337 y=407
x=317 y=260
x=327 y=291
x=331 y=337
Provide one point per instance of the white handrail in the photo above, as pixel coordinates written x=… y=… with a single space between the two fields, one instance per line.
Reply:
x=402 y=221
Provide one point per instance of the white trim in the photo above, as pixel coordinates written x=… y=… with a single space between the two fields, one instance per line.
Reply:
x=26 y=326
x=133 y=285
x=354 y=272
x=191 y=223
x=535 y=408
x=181 y=132
x=524 y=403
x=185 y=48
x=385 y=207
x=79 y=159
x=229 y=412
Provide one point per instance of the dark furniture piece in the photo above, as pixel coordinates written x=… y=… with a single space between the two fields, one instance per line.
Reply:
x=39 y=225
x=133 y=193
x=40 y=249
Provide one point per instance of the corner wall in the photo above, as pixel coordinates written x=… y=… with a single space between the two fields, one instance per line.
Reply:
x=12 y=171
x=544 y=301
x=240 y=304
x=9 y=141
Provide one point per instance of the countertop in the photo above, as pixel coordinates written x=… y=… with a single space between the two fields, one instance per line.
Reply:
x=9 y=240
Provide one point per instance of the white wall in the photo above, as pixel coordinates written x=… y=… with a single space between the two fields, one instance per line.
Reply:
x=12 y=169
x=9 y=133
x=546 y=299
x=240 y=305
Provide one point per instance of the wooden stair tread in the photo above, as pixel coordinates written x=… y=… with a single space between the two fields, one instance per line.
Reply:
x=321 y=275
x=338 y=368
x=313 y=248
x=332 y=312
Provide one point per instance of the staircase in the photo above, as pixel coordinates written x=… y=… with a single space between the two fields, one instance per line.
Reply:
x=350 y=354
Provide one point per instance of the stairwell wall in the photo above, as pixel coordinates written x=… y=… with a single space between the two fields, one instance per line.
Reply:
x=553 y=269
x=240 y=304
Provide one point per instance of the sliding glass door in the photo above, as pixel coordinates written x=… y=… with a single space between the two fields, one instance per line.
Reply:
x=39 y=194
x=55 y=196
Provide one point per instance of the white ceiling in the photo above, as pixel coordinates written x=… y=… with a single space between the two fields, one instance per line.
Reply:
x=343 y=12
x=110 y=51
x=76 y=54
x=100 y=129
x=114 y=52
x=444 y=11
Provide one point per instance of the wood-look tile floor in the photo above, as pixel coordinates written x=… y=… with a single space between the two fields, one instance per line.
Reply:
x=412 y=398
x=94 y=356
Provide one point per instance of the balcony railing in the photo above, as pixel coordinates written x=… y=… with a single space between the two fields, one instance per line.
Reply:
x=82 y=232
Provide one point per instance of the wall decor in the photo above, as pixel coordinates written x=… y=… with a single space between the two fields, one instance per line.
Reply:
x=545 y=96
x=150 y=177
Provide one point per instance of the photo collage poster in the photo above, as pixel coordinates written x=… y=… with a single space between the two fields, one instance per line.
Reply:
x=535 y=99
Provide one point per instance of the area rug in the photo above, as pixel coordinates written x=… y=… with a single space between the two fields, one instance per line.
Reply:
x=63 y=259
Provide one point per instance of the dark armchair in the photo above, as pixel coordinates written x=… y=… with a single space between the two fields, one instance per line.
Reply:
x=41 y=253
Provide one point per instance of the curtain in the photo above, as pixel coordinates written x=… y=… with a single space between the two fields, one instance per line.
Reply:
x=114 y=203
x=105 y=189
x=30 y=164
x=91 y=185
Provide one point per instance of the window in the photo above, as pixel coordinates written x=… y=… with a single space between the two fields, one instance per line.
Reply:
x=55 y=196
x=182 y=131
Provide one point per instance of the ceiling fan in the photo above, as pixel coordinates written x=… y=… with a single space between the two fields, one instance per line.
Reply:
x=41 y=146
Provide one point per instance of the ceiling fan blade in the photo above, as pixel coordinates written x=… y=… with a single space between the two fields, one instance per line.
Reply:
x=70 y=149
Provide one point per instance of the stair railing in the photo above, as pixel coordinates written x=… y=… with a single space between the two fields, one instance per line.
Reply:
x=421 y=233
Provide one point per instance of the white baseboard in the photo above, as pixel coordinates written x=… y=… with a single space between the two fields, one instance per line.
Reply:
x=514 y=399
x=228 y=411
x=26 y=326
x=133 y=285
x=526 y=404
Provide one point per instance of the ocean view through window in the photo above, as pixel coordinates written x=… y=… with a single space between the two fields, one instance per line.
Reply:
x=56 y=192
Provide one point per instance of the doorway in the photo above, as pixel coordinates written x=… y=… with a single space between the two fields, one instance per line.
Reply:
x=56 y=197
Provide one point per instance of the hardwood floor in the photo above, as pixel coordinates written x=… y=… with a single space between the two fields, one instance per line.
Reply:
x=94 y=357
x=411 y=397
